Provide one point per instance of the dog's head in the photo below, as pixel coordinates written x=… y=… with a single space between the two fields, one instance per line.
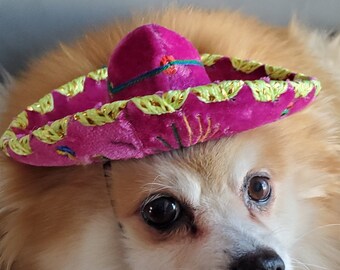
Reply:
x=233 y=204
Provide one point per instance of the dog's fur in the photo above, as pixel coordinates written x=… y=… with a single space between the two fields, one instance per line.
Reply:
x=67 y=218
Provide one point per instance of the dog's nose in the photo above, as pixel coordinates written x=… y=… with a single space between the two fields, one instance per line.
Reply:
x=262 y=259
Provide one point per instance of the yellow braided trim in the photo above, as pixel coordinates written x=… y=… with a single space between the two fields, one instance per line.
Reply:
x=222 y=91
x=153 y=104
x=263 y=91
x=156 y=105
x=210 y=59
x=98 y=75
x=5 y=138
x=245 y=66
x=43 y=105
x=53 y=132
x=173 y=100
x=73 y=87
x=21 y=121
x=317 y=86
x=19 y=146
x=276 y=73
x=303 y=88
x=167 y=103
x=104 y=115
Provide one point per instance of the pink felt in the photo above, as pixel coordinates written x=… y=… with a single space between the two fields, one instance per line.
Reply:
x=142 y=51
x=135 y=134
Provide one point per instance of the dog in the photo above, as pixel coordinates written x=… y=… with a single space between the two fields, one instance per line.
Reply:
x=264 y=199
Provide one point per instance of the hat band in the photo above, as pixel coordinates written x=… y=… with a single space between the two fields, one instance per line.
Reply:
x=153 y=72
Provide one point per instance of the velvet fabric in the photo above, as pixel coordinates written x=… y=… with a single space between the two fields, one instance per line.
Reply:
x=149 y=116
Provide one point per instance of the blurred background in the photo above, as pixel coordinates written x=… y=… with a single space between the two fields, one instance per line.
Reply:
x=30 y=27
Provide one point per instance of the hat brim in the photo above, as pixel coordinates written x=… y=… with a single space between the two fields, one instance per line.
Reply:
x=77 y=124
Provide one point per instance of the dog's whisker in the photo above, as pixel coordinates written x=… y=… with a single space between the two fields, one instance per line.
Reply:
x=309 y=264
x=315 y=229
x=299 y=263
x=278 y=230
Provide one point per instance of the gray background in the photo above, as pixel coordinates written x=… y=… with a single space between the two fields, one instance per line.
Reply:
x=30 y=27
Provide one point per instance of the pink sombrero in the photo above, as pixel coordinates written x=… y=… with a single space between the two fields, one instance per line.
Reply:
x=157 y=94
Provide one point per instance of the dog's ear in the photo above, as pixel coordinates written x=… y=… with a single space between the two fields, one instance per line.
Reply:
x=6 y=82
x=40 y=206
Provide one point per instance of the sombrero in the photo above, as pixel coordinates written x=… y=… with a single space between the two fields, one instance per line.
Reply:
x=157 y=94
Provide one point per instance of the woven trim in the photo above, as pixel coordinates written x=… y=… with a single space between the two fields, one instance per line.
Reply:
x=154 y=104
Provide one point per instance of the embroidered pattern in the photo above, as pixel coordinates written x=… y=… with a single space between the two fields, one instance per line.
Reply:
x=21 y=121
x=264 y=91
x=104 y=115
x=210 y=59
x=166 y=59
x=5 y=138
x=171 y=101
x=222 y=91
x=286 y=111
x=52 y=133
x=20 y=146
x=277 y=73
x=244 y=65
x=167 y=103
x=303 y=88
x=187 y=124
x=99 y=74
x=66 y=151
x=73 y=87
x=44 y=105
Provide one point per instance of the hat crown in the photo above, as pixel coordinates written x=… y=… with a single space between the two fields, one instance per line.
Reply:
x=135 y=67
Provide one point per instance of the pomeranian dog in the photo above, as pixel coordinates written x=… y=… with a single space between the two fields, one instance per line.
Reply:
x=265 y=199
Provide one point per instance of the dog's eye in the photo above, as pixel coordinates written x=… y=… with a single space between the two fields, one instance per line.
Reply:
x=259 y=189
x=161 y=212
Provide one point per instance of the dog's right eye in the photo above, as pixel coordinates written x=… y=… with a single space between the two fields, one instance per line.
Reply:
x=161 y=213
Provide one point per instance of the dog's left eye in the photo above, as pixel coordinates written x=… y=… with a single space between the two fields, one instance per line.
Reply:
x=161 y=213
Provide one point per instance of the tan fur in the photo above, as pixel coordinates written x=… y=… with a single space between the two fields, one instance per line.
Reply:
x=43 y=211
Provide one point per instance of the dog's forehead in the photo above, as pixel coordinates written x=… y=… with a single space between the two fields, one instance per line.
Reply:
x=212 y=169
x=213 y=166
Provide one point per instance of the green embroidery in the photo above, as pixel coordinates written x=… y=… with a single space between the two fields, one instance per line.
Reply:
x=222 y=91
x=244 y=65
x=317 y=86
x=44 y=105
x=5 y=138
x=53 y=132
x=155 y=104
x=277 y=73
x=264 y=91
x=303 y=88
x=21 y=121
x=104 y=115
x=73 y=87
x=98 y=75
x=301 y=77
x=210 y=59
x=20 y=146
x=167 y=103
x=278 y=88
